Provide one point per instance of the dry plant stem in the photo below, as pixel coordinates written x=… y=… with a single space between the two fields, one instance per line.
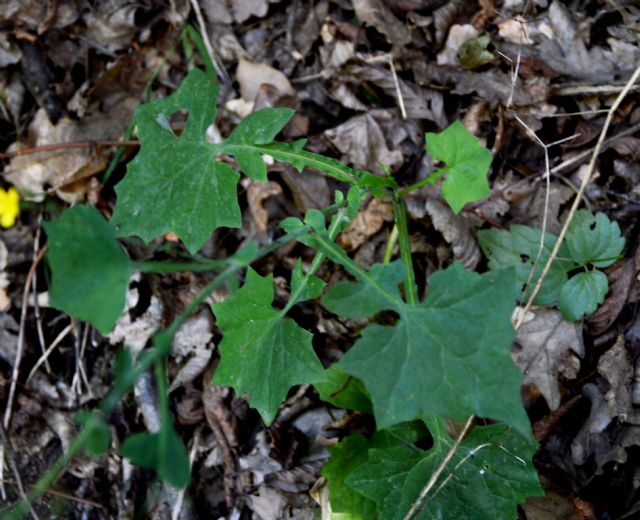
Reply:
x=8 y=449
x=205 y=38
x=43 y=359
x=570 y=162
x=578 y=198
x=65 y=146
x=403 y=110
x=20 y=349
x=436 y=474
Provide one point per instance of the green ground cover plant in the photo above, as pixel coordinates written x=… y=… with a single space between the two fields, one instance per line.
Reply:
x=444 y=358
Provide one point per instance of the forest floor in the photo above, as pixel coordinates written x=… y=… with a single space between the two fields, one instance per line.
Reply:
x=367 y=79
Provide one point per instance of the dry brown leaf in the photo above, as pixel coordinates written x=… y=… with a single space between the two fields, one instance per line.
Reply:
x=444 y=17
x=362 y=142
x=245 y=9
x=257 y=193
x=112 y=24
x=616 y=367
x=251 y=76
x=32 y=174
x=193 y=343
x=456 y=231
x=541 y=344
x=366 y=224
x=620 y=276
x=552 y=505
x=137 y=332
x=309 y=190
x=420 y=103
x=268 y=503
x=378 y=15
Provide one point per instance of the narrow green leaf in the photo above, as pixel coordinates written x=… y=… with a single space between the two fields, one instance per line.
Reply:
x=443 y=355
x=162 y=452
x=594 y=239
x=467 y=164
x=89 y=270
x=262 y=354
x=344 y=391
x=582 y=294
x=258 y=128
x=261 y=127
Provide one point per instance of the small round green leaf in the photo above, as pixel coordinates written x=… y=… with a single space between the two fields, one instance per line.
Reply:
x=582 y=294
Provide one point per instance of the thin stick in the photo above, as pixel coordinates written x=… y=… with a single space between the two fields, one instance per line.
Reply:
x=20 y=350
x=207 y=42
x=436 y=474
x=576 y=201
x=396 y=83
x=63 y=334
x=65 y=146
x=8 y=448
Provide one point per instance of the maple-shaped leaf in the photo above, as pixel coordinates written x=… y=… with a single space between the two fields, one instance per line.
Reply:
x=467 y=164
x=89 y=270
x=489 y=475
x=449 y=355
x=175 y=183
x=262 y=353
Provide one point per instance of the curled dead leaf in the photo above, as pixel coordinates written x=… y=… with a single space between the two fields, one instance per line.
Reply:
x=366 y=224
x=541 y=345
x=620 y=276
x=456 y=231
x=257 y=193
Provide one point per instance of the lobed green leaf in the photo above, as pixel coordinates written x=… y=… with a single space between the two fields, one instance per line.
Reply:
x=442 y=355
x=263 y=354
x=489 y=475
x=467 y=164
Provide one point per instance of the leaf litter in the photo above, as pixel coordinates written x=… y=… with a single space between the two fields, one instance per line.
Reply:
x=346 y=67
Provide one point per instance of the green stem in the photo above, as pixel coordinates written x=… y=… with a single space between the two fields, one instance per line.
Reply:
x=315 y=265
x=431 y=179
x=393 y=239
x=400 y=216
x=158 y=266
x=335 y=252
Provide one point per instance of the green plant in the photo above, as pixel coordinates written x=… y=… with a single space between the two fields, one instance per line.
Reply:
x=446 y=357
x=592 y=241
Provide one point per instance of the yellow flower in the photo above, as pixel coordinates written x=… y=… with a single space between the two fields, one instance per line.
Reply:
x=9 y=207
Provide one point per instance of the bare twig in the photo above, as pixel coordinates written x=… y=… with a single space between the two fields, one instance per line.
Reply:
x=207 y=42
x=65 y=146
x=8 y=449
